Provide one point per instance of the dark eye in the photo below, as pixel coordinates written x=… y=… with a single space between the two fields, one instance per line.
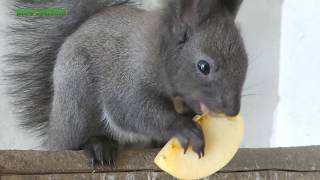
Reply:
x=204 y=67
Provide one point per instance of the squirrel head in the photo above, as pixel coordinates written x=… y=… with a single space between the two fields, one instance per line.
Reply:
x=206 y=63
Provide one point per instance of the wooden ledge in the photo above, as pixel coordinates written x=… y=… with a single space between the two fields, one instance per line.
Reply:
x=281 y=163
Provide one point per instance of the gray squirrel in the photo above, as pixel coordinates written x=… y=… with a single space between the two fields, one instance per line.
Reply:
x=107 y=73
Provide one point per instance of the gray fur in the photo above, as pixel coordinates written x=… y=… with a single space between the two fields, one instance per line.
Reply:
x=37 y=41
x=116 y=74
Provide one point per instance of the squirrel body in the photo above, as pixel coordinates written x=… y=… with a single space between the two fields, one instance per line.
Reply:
x=102 y=77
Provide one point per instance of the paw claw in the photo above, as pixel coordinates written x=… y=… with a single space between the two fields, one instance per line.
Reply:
x=192 y=134
x=102 y=151
x=185 y=146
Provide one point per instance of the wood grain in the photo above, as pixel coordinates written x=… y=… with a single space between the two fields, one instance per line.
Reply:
x=281 y=163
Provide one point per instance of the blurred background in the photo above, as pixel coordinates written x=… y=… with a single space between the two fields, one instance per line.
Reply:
x=281 y=101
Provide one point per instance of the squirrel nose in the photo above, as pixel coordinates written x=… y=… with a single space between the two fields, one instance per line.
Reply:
x=232 y=106
x=233 y=111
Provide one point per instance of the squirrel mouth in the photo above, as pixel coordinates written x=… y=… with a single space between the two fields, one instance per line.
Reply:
x=181 y=105
x=203 y=108
x=199 y=107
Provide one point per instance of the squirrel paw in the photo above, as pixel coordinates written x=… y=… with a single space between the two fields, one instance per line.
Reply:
x=101 y=150
x=192 y=135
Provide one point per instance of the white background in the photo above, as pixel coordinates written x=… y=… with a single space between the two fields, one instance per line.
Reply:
x=283 y=103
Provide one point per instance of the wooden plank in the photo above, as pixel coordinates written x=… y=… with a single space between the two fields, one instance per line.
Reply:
x=268 y=175
x=41 y=162
x=96 y=176
x=293 y=159
x=302 y=159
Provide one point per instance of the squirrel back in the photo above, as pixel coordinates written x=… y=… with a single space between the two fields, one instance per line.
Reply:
x=36 y=41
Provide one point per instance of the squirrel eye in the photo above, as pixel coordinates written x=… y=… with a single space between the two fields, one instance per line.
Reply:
x=204 y=67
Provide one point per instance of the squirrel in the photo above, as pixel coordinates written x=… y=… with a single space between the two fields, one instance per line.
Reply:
x=108 y=73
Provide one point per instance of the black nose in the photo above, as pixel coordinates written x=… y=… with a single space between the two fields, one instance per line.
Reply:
x=232 y=111
x=232 y=106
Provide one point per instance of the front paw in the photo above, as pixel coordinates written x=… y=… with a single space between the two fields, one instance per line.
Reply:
x=192 y=134
x=101 y=150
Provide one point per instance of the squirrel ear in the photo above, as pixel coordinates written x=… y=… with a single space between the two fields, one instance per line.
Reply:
x=232 y=6
x=193 y=12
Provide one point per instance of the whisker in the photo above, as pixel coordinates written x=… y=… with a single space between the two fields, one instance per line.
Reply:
x=248 y=95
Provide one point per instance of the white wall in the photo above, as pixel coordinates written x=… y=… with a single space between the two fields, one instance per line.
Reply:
x=297 y=120
x=260 y=21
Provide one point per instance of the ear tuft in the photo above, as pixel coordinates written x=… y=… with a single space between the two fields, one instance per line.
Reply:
x=195 y=11
x=188 y=11
x=232 y=6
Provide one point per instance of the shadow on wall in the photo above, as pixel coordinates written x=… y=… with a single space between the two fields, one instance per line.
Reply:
x=261 y=27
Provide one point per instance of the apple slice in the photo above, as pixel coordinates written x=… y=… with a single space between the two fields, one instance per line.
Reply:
x=223 y=136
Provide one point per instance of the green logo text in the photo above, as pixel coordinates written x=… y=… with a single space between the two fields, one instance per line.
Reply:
x=41 y=12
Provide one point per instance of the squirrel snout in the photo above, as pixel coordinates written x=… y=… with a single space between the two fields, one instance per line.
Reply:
x=232 y=106
x=233 y=111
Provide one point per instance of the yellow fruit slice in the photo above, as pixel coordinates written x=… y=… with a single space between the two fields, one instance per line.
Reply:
x=223 y=137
